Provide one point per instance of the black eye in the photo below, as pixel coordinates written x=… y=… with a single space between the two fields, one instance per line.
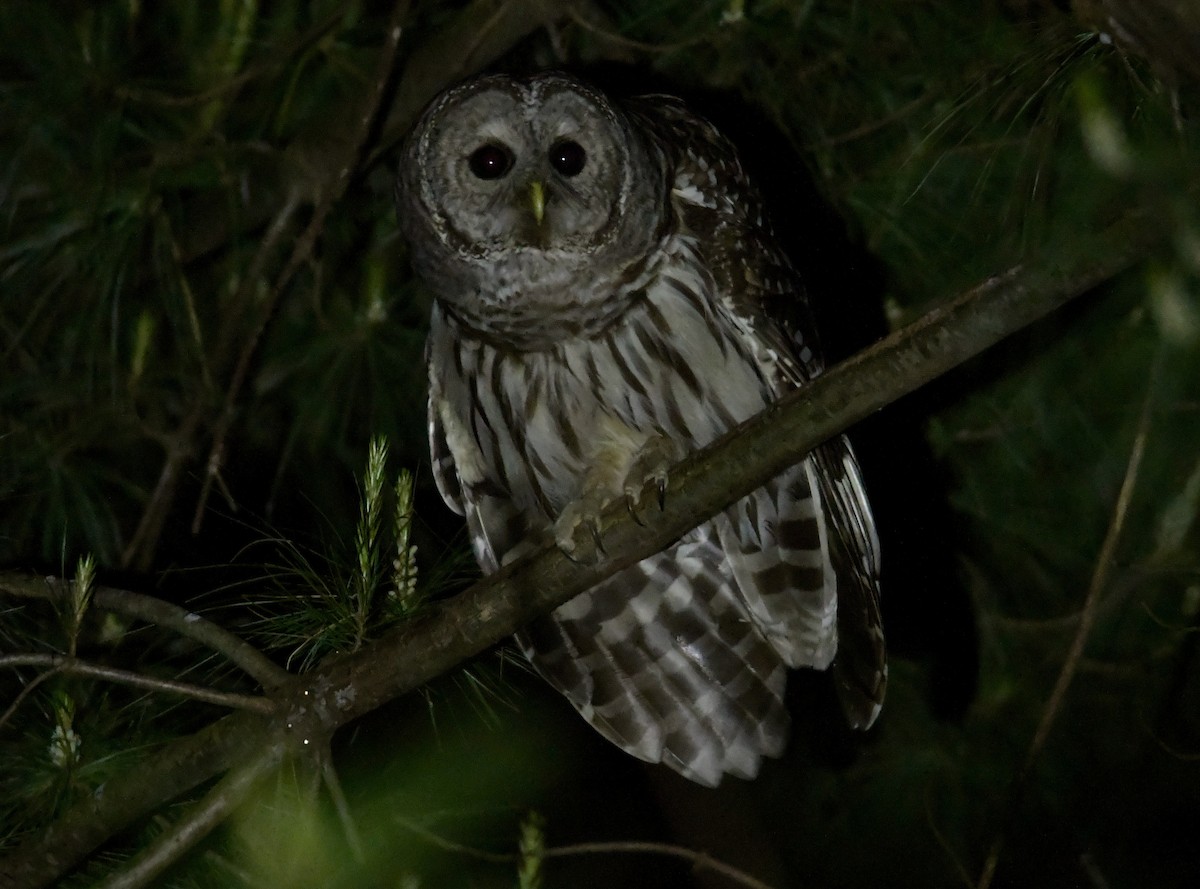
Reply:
x=490 y=161
x=568 y=157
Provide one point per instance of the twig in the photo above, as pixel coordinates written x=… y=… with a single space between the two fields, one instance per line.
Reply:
x=244 y=296
x=871 y=126
x=164 y=614
x=481 y=33
x=1087 y=618
x=334 y=785
x=25 y=691
x=699 y=860
x=139 y=551
x=940 y=838
x=231 y=792
x=76 y=667
x=450 y=846
x=629 y=42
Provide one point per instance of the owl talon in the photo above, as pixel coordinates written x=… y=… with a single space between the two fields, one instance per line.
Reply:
x=650 y=468
x=570 y=527
x=631 y=505
x=594 y=527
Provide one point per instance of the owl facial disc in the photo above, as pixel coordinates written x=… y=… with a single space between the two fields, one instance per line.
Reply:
x=536 y=189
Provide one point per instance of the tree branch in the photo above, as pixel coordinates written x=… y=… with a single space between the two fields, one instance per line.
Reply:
x=447 y=633
x=71 y=666
x=233 y=790
x=164 y=614
x=699 y=860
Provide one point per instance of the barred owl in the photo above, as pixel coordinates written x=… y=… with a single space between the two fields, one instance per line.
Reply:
x=609 y=296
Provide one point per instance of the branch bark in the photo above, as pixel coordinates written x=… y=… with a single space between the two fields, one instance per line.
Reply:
x=447 y=633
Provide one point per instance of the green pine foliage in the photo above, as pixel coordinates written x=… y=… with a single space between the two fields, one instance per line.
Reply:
x=159 y=164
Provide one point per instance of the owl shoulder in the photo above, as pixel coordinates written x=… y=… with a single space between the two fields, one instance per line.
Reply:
x=706 y=170
x=717 y=203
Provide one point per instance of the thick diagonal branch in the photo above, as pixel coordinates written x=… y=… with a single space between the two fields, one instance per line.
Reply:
x=450 y=632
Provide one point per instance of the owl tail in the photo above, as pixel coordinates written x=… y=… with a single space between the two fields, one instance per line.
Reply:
x=663 y=660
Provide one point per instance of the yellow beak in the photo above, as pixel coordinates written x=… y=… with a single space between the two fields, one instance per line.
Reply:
x=537 y=200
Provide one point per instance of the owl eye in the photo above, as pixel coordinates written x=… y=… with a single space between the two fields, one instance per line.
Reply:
x=568 y=157
x=490 y=161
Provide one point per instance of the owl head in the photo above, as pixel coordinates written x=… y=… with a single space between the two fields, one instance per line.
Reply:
x=528 y=194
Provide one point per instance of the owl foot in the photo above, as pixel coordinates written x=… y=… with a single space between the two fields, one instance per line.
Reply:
x=647 y=471
x=580 y=517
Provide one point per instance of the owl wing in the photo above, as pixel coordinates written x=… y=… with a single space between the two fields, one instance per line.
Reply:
x=445 y=475
x=827 y=552
x=860 y=667
x=495 y=525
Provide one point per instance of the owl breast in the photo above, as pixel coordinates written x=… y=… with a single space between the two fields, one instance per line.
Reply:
x=535 y=421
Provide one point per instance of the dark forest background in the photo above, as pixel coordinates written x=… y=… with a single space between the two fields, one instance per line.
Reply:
x=206 y=317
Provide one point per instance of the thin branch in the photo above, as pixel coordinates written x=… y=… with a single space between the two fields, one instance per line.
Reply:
x=139 y=551
x=175 y=769
x=1087 y=619
x=243 y=297
x=231 y=792
x=76 y=667
x=629 y=43
x=447 y=845
x=445 y=634
x=871 y=126
x=699 y=860
x=163 y=614
x=25 y=691
x=944 y=844
x=341 y=805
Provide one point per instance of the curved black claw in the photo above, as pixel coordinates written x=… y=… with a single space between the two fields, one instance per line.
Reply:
x=662 y=493
x=631 y=505
x=594 y=527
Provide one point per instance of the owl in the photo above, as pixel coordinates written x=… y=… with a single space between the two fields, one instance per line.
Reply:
x=608 y=297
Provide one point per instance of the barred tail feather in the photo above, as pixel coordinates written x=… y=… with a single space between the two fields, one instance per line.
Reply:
x=664 y=662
